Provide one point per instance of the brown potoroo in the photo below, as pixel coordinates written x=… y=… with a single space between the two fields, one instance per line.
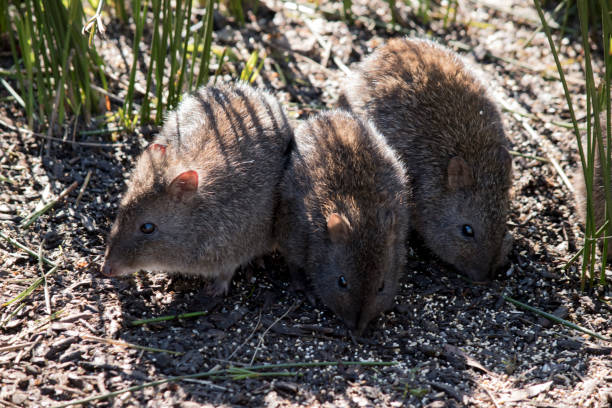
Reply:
x=201 y=199
x=343 y=216
x=436 y=114
x=599 y=191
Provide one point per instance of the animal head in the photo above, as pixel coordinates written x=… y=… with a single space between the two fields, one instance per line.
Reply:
x=358 y=271
x=467 y=227
x=154 y=226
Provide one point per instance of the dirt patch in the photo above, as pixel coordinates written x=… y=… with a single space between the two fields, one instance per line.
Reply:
x=455 y=343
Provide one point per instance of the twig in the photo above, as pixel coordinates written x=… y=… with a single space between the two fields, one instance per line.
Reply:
x=26 y=249
x=55 y=139
x=247 y=339
x=106 y=93
x=261 y=338
x=553 y=161
x=485 y=389
x=82 y=190
x=14 y=347
x=9 y=404
x=130 y=345
x=94 y=23
x=166 y=318
x=232 y=372
x=565 y=125
x=465 y=47
x=509 y=10
x=298 y=55
x=528 y=156
x=34 y=216
x=536 y=138
x=556 y=319
x=562 y=174
x=327 y=46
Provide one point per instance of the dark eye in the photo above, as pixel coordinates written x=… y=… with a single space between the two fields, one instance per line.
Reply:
x=342 y=282
x=147 y=228
x=467 y=230
x=382 y=287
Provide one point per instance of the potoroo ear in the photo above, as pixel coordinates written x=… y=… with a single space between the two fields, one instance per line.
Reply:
x=338 y=227
x=459 y=174
x=156 y=147
x=184 y=185
x=503 y=156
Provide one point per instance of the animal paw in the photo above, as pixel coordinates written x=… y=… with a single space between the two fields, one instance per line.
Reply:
x=219 y=287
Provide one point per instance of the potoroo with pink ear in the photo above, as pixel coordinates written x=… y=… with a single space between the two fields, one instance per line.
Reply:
x=201 y=199
x=437 y=115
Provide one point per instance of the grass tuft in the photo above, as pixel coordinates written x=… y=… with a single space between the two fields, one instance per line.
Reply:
x=598 y=100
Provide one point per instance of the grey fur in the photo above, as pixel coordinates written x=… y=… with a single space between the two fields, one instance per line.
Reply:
x=449 y=134
x=341 y=165
x=237 y=139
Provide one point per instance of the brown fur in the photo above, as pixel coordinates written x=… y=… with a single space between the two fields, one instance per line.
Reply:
x=211 y=193
x=343 y=214
x=449 y=133
x=599 y=192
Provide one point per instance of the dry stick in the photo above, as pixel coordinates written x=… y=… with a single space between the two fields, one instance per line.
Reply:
x=528 y=156
x=14 y=347
x=553 y=161
x=34 y=216
x=28 y=349
x=565 y=125
x=556 y=319
x=486 y=390
x=327 y=46
x=295 y=305
x=9 y=404
x=106 y=93
x=246 y=340
x=44 y=278
x=509 y=10
x=465 y=47
x=82 y=190
x=298 y=55
x=55 y=139
x=232 y=372
x=130 y=345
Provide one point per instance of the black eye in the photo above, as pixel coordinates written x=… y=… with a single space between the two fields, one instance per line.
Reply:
x=467 y=230
x=147 y=228
x=342 y=282
x=382 y=287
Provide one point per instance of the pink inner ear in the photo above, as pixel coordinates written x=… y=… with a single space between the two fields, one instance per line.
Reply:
x=338 y=227
x=185 y=182
x=156 y=147
x=459 y=173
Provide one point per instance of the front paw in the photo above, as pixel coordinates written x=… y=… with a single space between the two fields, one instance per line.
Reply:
x=218 y=287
